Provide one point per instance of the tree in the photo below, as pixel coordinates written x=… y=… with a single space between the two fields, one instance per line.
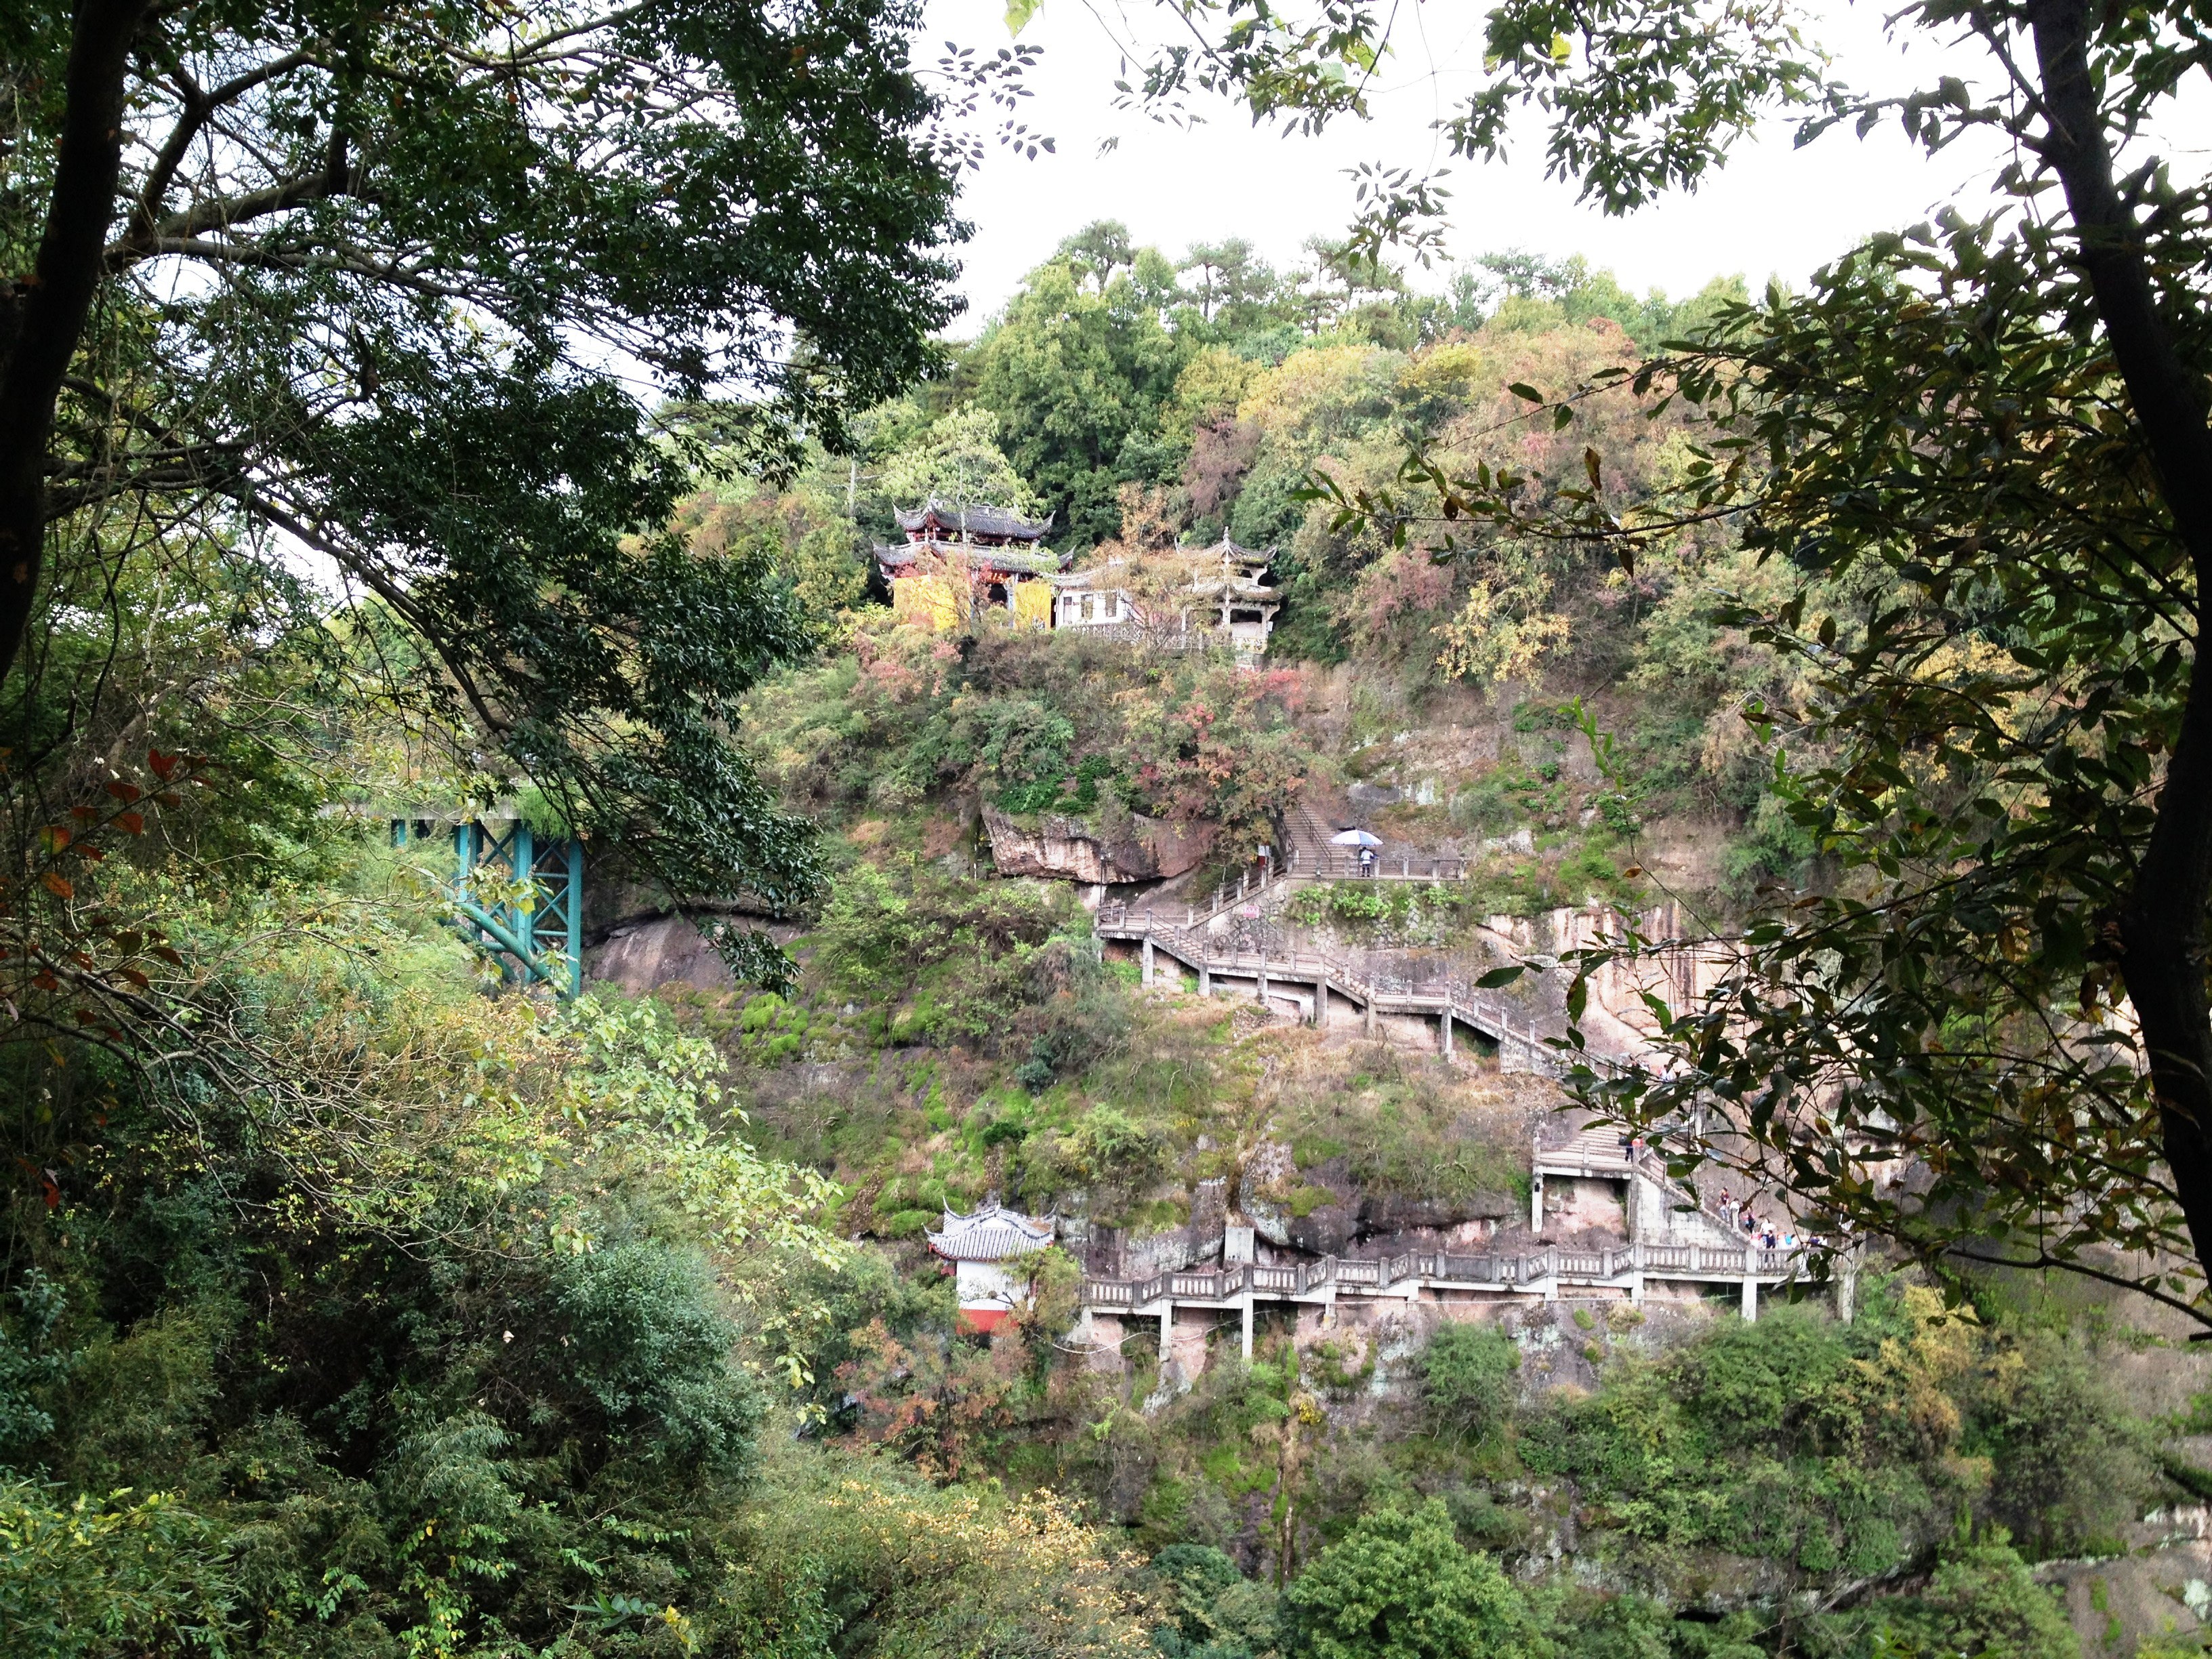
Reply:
x=1095 y=252
x=378 y=284
x=1984 y=449
x=959 y=461
x=1237 y=290
x=1398 y=1586
x=1078 y=380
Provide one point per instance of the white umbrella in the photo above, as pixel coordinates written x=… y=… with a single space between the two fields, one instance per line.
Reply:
x=1354 y=838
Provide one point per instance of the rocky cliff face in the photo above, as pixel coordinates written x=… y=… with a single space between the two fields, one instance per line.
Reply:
x=1075 y=849
x=650 y=951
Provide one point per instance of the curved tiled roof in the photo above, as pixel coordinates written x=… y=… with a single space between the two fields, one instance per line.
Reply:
x=1099 y=577
x=1237 y=552
x=900 y=554
x=990 y=1234
x=975 y=520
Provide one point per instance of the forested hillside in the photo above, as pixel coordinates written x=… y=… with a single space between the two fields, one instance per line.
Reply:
x=1387 y=956
x=367 y=1293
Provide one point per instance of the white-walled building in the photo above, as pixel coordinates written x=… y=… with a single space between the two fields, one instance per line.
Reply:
x=1222 y=599
x=981 y=1245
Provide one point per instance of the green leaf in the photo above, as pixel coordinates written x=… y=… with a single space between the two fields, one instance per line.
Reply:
x=1018 y=13
x=1498 y=976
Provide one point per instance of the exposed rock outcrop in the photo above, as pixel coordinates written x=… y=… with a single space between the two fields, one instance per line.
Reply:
x=657 y=950
x=1336 y=1228
x=1075 y=849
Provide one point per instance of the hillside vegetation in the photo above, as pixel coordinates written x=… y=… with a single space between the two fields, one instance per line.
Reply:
x=379 y=1308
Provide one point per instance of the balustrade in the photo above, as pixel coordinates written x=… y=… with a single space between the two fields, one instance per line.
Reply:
x=1299 y=1279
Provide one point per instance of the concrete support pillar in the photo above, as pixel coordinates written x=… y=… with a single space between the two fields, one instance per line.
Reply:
x=1147 y=976
x=1263 y=981
x=1321 y=1002
x=1248 y=1329
x=1636 y=1290
x=1536 y=1204
x=1204 y=981
x=1750 y=1300
x=1446 y=1034
x=1847 y=1286
x=1167 y=1335
x=1370 y=1010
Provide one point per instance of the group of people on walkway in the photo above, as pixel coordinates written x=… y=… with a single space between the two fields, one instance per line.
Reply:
x=1759 y=1231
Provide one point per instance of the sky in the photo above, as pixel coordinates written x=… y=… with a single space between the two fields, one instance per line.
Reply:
x=1771 y=211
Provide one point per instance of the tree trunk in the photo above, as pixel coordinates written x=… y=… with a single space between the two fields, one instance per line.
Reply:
x=2162 y=924
x=51 y=306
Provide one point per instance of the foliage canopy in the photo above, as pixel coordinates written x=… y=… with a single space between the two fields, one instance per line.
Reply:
x=1982 y=449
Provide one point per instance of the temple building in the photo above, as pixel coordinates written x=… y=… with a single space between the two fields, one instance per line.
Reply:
x=1213 y=595
x=979 y=1245
x=960 y=563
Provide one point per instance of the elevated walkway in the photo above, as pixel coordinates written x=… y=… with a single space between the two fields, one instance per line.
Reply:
x=1313 y=980
x=1310 y=853
x=1541 y=1275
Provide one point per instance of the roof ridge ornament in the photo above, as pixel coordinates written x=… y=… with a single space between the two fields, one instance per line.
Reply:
x=975 y=518
x=991 y=1232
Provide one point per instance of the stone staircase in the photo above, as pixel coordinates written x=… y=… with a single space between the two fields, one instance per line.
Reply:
x=1596 y=1150
x=1306 y=837
x=1310 y=852
x=1445 y=998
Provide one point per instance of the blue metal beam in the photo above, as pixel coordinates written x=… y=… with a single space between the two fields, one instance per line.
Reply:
x=538 y=936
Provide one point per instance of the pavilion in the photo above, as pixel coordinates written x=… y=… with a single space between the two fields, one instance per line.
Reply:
x=980 y=1244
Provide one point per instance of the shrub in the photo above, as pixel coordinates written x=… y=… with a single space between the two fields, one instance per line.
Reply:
x=1981 y=1602
x=850 y=1557
x=32 y=1364
x=649 y=1354
x=1218 y=1613
x=1467 y=1380
x=1117 y=1158
x=2069 y=1460
x=981 y=963
x=128 y=1574
x=1398 y=1586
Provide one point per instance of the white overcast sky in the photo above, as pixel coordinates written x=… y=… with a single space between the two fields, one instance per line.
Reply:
x=1771 y=211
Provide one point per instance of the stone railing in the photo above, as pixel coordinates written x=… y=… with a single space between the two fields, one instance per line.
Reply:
x=1441 y=994
x=1345 y=864
x=1425 y=1267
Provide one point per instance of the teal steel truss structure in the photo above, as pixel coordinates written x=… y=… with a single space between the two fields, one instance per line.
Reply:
x=519 y=899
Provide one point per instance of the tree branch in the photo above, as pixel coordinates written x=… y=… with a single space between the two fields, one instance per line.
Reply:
x=266 y=258
x=197 y=107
